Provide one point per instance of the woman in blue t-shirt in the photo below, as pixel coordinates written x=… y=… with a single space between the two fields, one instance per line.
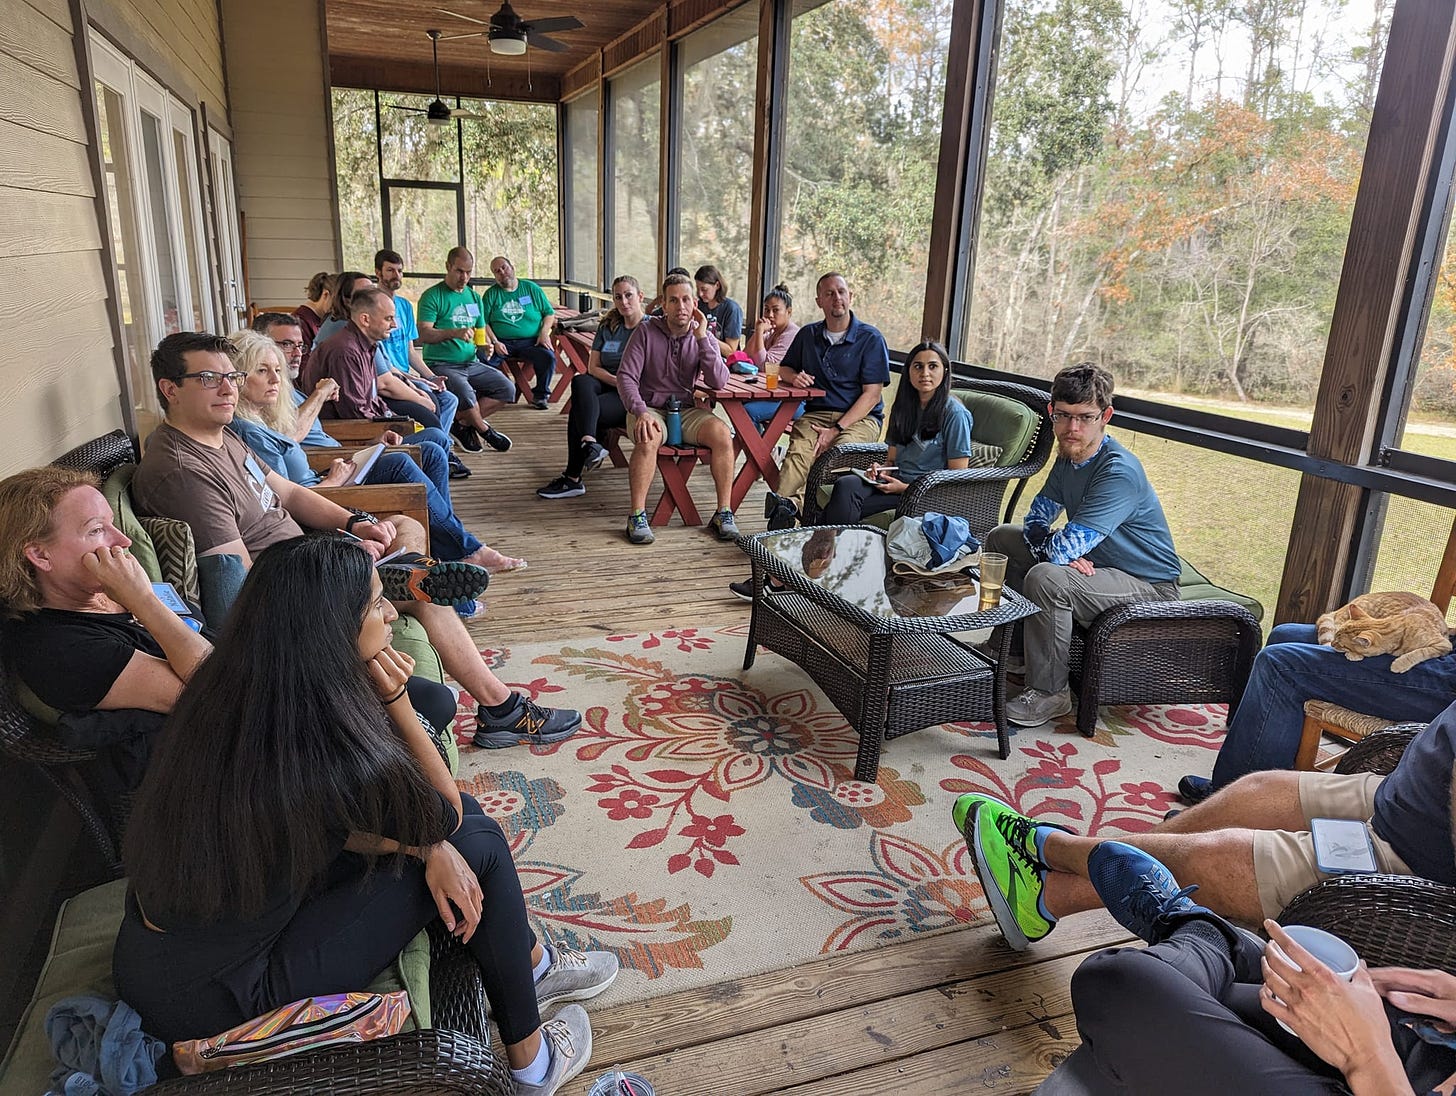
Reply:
x=930 y=431
x=595 y=405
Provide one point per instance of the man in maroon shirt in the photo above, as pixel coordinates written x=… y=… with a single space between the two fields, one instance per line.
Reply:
x=348 y=358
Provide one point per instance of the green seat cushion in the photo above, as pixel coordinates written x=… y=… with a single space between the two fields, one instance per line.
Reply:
x=410 y=639
x=115 y=490
x=1000 y=420
x=1193 y=585
x=79 y=961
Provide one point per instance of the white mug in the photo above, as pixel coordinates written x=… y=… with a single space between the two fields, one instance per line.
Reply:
x=1328 y=948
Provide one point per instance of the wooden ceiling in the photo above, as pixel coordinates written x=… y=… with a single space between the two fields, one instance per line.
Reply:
x=382 y=44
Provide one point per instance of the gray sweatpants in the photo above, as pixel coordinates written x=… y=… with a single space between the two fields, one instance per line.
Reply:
x=1063 y=596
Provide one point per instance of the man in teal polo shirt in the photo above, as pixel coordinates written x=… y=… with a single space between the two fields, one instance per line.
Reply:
x=448 y=315
x=518 y=323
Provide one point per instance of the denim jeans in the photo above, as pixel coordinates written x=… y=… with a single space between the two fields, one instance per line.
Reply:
x=448 y=538
x=1292 y=668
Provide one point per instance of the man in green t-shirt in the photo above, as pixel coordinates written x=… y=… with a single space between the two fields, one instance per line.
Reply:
x=448 y=316
x=518 y=323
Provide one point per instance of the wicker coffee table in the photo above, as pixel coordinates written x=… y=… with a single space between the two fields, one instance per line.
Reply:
x=878 y=645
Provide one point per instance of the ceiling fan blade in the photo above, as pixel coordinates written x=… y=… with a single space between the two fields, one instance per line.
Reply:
x=412 y=110
x=467 y=18
x=472 y=34
x=464 y=115
x=556 y=22
x=550 y=45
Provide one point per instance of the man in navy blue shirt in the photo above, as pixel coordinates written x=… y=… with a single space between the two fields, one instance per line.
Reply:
x=1115 y=546
x=849 y=360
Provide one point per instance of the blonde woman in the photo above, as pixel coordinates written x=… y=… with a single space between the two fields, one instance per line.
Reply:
x=264 y=420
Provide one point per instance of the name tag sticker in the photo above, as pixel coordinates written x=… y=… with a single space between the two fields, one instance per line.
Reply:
x=266 y=497
x=525 y=299
x=255 y=470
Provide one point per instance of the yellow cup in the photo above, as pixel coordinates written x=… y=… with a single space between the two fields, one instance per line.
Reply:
x=771 y=375
x=480 y=336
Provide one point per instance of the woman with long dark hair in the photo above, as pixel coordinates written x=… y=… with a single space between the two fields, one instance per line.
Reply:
x=338 y=317
x=595 y=405
x=772 y=335
x=929 y=431
x=318 y=301
x=298 y=827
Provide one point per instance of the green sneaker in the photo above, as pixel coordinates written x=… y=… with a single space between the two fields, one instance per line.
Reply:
x=1012 y=873
x=963 y=813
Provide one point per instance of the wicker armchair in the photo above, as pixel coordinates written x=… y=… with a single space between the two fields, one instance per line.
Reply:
x=1163 y=652
x=975 y=494
x=1390 y=920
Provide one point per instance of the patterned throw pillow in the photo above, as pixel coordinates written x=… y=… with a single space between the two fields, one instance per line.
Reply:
x=176 y=554
x=984 y=456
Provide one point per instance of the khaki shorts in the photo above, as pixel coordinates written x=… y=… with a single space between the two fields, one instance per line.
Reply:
x=1284 y=862
x=694 y=420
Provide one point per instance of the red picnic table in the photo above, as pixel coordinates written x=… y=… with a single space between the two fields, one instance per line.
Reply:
x=757 y=449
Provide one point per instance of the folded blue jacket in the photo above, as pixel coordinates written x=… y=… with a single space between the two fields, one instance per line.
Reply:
x=101 y=1048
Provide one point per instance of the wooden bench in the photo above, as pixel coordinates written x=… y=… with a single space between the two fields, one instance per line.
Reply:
x=321 y=458
x=385 y=499
x=675 y=464
x=361 y=432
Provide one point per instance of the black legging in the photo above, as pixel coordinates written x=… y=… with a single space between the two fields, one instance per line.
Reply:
x=348 y=930
x=1173 y=1018
x=854 y=499
x=595 y=407
x=434 y=701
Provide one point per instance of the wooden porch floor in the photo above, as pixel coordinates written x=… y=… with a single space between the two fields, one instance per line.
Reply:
x=949 y=1013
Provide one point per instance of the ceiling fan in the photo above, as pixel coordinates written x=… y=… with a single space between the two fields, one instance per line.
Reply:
x=509 y=34
x=438 y=112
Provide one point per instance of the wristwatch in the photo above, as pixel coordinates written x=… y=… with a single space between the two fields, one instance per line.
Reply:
x=359 y=515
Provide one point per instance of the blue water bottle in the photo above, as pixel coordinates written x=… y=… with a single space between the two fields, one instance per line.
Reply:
x=672 y=414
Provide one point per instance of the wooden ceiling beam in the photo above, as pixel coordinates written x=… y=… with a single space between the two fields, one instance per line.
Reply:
x=419 y=77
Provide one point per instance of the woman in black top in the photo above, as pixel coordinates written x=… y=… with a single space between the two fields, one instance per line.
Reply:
x=298 y=827
x=595 y=405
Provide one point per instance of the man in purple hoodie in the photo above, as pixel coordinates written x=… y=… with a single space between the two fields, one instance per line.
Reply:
x=662 y=360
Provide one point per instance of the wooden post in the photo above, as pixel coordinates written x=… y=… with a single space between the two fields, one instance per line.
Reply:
x=1397 y=173
x=767 y=152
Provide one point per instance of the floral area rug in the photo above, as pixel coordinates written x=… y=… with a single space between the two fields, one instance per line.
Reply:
x=705 y=823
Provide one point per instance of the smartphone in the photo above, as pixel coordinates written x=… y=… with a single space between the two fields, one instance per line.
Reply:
x=167 y=594
x=1342 y=846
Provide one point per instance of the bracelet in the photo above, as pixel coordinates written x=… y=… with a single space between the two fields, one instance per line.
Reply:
x=402 y=690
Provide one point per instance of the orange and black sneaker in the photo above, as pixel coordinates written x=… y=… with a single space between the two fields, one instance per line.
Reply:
x=413 y=577
x=526 y=723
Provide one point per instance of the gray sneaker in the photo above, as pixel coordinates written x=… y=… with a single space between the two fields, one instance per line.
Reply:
x=575 y=975
x=1032 y=707
x=568 y=1035
x=638 y=531
x=724 y=524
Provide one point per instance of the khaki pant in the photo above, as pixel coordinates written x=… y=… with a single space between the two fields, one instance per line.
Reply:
x=1284 y=862
x=794 y=471
x=694 y=419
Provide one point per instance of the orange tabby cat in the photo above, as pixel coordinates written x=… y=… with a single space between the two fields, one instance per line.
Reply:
x=1405 y=625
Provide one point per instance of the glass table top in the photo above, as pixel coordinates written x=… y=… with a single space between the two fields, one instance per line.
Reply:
x=853 y=564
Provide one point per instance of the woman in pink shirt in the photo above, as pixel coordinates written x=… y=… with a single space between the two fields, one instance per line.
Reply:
x=769 y=342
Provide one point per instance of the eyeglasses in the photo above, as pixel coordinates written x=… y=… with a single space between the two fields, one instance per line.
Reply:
x=288 y=344
x=1061 y=418
x=210 y=380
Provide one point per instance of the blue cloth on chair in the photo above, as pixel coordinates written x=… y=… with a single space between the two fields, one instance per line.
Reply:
x=949 y=537
x=101 y=1048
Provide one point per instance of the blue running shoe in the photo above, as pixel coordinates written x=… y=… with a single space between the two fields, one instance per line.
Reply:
x=1139 y=892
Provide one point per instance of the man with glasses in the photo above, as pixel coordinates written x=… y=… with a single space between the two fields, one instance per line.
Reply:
x=195 y=470
x=1115 y=546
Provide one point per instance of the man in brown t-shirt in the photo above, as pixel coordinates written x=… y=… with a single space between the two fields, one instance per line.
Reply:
x=196 y=471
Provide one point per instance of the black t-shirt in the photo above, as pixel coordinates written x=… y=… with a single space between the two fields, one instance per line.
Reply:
x=69 y=659
x=1413 y=803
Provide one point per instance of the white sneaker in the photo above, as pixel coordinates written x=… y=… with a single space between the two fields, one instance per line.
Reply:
x=568 y=1035
x=1032 y=707
x=575 y=975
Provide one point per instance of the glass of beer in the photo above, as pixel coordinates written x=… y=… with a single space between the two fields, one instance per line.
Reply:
x=480 y=336
x=993 y=579
x=771 y=375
